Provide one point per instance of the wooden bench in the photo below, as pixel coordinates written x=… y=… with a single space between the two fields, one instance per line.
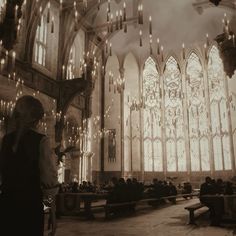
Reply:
x=191 y=210
x=108 y=207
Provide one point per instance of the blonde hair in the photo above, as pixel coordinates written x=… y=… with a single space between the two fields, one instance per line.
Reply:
x=26 y=115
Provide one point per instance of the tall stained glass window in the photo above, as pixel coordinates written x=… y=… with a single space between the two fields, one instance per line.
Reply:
x=174 y=122
x=219 y=112
x=152 y=118
x=197 y=115
x=41 y=42
x=192 y=115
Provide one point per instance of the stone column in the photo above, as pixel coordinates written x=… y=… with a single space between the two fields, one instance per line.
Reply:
x=208 y=107
x=122 y=72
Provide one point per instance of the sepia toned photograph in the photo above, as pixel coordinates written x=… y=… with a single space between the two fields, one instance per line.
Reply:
x=117 y=117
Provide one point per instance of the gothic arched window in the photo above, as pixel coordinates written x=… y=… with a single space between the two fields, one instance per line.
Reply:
x=41 y=42
x=197 y=115
x=152 y=118
x=219 y=111
x=174 y=121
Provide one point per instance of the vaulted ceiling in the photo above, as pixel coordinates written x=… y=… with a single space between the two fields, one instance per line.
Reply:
x=174 y=22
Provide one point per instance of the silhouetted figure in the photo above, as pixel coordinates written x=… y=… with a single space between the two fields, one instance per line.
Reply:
x=219 y=186
x=27 y=172
x=113 y=192
x=172 y=192
x=187 y=189
x=228 y=188
x=129 y=195
x=74 y=187
x=215 y=203
x=138 y=188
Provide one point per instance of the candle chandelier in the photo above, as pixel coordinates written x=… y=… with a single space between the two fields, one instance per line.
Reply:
x=117 y=83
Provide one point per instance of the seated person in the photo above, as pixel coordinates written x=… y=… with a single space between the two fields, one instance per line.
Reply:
x=172 y=192
x=228 y=190
x=187 y=189
x=208 y=196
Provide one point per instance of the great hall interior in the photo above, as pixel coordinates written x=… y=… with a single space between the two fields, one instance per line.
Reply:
x=132 y=89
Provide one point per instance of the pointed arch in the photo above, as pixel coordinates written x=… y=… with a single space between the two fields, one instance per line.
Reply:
x=174 y=119
x=171 y=56
x=41 y=42
x=132 y=149
x=73 y=65
x=152 y=117
x=219 y=112
x=197 y=115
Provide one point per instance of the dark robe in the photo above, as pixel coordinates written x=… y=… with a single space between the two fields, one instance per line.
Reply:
x=21 y=198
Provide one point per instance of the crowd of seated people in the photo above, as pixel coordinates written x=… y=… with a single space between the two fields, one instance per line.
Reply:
x=121 y=191
x=75 y=187
x=124 y=191
x=210 y=193
x=159 y=189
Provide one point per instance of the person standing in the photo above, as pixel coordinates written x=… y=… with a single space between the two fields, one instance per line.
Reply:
x=27 y=172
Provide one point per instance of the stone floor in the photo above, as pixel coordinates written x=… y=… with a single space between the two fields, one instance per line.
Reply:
x=170 y=220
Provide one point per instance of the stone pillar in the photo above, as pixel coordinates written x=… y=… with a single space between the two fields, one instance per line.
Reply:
x=122 y=71
x=208 y=107
x=186 y=124
x=141 y=125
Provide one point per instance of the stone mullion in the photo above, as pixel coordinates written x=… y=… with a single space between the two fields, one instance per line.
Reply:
x=230 y=129
x=176 y=149
x=163 y=128
x=122 y=71
x=186 y=123
x=152 y=139
x=141 y=125
x=199 y=143
x=208 y=107
x=221 y=141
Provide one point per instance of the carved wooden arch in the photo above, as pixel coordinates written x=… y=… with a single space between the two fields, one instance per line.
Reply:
x=75 y=87
x=71 y=34
x=68 y=90
x=31 y=32
x=100 y=46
